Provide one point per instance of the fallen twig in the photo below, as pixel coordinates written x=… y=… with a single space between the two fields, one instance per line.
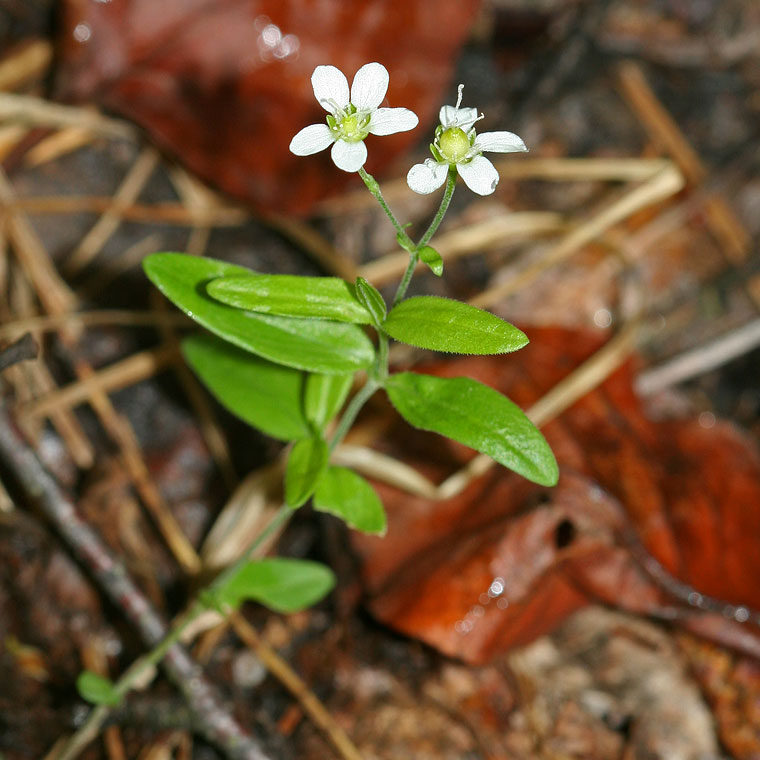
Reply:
x=213 y=721
x=23 y=349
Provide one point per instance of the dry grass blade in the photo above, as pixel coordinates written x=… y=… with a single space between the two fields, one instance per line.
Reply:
x=29 y=61
x=668 y=138
x=126 y=195
x=58 y=144
x=662 y=185
x=53 y=292
x=127 y=372
x=36 y=112
x=474 y=238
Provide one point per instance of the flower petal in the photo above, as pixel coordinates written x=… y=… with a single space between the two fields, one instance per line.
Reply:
x=369 y=86
x=479 y=175
x=311 y=139
x=427 y=177
x=387 y=121
x=499 y=142
x=330 y=84
x=451 y=116
x=349 y=156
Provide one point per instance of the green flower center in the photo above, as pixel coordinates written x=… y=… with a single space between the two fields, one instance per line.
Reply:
x=454 y=144
x=349 y=125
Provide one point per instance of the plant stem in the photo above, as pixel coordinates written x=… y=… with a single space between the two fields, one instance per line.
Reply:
x=374 y=188
x=442 y=209
x=414 y=255
x=357 y=402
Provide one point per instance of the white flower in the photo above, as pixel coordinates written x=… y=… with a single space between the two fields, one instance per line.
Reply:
x=351 y=118
x=457 y=144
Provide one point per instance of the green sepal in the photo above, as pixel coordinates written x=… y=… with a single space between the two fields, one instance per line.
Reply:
x=267 y=396
x=309 y=344
x=443 y=324
x=97 y=690
x=306 y=465
x=477 y=416
x=288 y=295
x=343 y=493
x=279 y=583
x=324 y=396
x=431 y=257
x=372 y=300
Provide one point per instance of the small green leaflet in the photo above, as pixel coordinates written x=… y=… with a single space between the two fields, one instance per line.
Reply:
x=281 y=584
x=324 y=396
x=97 y=690
x=306 y=463
x=343 y=493
x=265 y=395
x=442 y=324
x=373 y=302
x=431 y=257
x=309 y=344
x=291 y=296
x=477 y=416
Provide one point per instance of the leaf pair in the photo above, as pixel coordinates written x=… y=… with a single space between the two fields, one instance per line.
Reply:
x=314 y=345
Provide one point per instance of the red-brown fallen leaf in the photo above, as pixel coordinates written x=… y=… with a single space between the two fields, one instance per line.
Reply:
x=641 y=507
x=224 y=86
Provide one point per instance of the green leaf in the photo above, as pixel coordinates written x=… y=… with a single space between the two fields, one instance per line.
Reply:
x=97 y=690
x=343 y=493
x=432 y=258
x=309 y=344
x=283 y=585
x=372 y=300
x=442 y=324
x=477 y=416
x=289 y=295
x=265 y=395
x=306 y=463
x=324 y=396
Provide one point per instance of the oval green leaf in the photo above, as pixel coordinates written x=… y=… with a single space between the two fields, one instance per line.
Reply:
x=97 y=690
x=431 y=257
x=442 y=324
x=281 y=584
x=343 y=493
x=265 y=395
x=324 y=395
x=306 y=464
x=289 y=295
x=477 y=416
x=309 y=344
x=372 y=300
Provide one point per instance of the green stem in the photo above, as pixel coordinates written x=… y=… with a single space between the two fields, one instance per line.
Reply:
x=431 y=230
x=353 y=409
x=414 y=257
x=374 y=188
x=442 y=209
x=155 y=655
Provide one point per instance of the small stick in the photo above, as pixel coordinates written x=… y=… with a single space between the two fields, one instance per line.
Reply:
x=58 y=144
x=39 y=489
x=23 y=349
